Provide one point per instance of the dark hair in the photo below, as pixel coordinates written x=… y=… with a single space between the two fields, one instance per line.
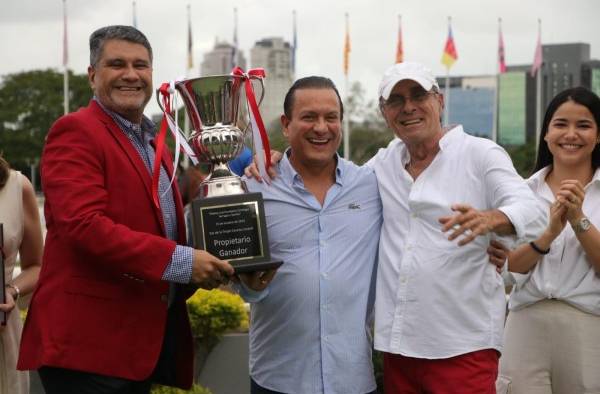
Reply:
x=4 y=172
x=313 y=82
x=579 y=95
x=115 y=32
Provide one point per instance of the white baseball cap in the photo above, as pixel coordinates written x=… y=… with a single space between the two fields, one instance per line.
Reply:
x=406 y=70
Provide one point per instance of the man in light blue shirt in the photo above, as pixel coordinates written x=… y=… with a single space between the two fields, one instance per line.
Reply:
x=310 y=328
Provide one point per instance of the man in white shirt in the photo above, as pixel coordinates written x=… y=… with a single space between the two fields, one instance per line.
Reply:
x=440 y=305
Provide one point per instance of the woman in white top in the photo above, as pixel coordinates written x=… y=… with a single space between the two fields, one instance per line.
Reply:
x=23 y=236
x=552 y=334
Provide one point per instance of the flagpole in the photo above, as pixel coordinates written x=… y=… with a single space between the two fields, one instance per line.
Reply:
x=294 y=45
x=188 y=68
x=234 y=52
x=347 y=123
x=65 y=61
x=134 y=12
x=496 y=93
x=447 y=97
x=346 y=82
x=447 y=84
x=538 y=93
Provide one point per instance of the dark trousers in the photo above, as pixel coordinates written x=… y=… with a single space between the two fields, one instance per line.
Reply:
x=256 y=389
x=68 y=381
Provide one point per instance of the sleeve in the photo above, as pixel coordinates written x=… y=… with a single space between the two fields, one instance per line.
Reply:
x=509 y=193
x=74 y=182
x=179 y=269
x=239 y=164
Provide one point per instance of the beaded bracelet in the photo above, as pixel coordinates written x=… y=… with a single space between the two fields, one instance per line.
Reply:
x=537 y=249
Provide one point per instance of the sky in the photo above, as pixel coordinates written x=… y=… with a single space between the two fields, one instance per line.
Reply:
x=31 y=32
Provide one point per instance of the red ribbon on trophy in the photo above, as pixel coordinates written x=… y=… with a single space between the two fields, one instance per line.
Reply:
x=260 y=139
x=165 y=91
x=160 y=141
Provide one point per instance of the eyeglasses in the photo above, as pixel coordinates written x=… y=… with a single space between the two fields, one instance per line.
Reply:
x=397 y=101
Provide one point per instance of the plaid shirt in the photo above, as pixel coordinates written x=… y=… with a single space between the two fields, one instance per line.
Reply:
x=141 y=135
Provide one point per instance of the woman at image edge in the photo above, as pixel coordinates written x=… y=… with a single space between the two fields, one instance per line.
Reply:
x=552 y=333
x=22 y=234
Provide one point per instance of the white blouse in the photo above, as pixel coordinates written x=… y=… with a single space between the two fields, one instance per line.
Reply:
x=565 y=273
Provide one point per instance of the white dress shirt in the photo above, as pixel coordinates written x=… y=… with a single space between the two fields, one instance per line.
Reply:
x=435 y=299
x=565 y=273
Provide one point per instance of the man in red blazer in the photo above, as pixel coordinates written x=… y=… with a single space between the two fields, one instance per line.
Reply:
x=109 y=314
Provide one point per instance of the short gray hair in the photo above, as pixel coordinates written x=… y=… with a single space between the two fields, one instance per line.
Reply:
x=115 y=32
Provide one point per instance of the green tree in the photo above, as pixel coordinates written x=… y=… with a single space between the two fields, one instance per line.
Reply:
x=368 y=131
x=523 y=157
x=30 y=102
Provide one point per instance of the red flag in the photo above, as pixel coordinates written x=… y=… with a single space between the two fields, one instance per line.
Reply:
x=399 y=50
x=450 y=55
x=537 y=57
x=501 y=61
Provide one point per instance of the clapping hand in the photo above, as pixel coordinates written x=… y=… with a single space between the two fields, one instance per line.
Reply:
x=570 y=196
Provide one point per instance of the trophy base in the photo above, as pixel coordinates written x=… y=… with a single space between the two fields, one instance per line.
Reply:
x=222 y=186
x=233 y=228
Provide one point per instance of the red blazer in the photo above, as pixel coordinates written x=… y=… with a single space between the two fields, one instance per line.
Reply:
x=100 y=305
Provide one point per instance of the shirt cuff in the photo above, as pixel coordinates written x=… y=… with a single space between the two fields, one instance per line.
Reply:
x=179 y=269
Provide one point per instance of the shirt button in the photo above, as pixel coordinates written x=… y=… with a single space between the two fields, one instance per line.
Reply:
x=322 y=244
x=324 y=275
x=164 y=297
x=403 y=280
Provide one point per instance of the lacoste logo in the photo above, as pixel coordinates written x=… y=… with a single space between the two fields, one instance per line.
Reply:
x=353 y=206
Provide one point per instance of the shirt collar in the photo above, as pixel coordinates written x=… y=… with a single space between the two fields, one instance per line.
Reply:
x=452 y=135
x=147 y=126
x=539 y=177
x=596 y=177
x=290 y=175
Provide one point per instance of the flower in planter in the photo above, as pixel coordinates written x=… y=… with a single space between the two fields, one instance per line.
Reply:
x=215 y=312
x=196 y=389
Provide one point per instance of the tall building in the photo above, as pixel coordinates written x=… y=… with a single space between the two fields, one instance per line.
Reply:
x=564 y=66
x=472 y=98
x=471 y=103
x=275 y=56
x=218 y=61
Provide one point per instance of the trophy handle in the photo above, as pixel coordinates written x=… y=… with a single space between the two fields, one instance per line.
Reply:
x=262 y=88
x=163 y=108
x=158 y=100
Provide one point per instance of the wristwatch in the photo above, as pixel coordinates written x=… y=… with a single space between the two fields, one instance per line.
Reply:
x=582 y=225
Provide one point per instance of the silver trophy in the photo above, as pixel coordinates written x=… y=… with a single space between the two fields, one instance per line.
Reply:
x=213 y=106
x=227 y=221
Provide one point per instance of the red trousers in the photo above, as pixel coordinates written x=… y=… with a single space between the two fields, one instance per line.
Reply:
x=471 y=373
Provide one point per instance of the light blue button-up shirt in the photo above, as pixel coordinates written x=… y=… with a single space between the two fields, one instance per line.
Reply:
x=310 y=329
